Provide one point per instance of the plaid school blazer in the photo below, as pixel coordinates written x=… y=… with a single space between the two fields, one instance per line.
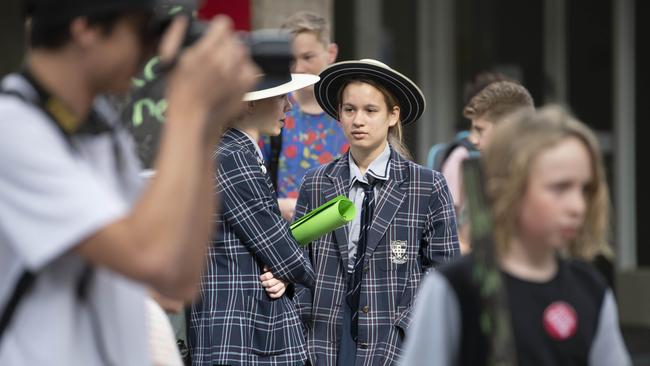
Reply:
x=233 y=321
x=414 y=229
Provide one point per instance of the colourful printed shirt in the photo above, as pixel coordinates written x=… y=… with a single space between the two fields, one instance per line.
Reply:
x=307 y=141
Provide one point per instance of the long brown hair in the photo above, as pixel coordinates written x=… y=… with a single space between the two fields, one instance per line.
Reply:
x=516 y=142
x=395 y=136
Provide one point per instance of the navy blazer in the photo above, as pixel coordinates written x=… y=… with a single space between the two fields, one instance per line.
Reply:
x=234 y=322
x=414 y=229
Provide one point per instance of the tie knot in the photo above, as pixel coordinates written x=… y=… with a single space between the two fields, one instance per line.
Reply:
x=368 y=187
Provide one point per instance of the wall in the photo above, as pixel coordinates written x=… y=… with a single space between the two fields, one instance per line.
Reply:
x=271 y=14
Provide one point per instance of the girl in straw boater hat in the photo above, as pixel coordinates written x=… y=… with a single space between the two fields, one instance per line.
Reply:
x=241 y=316
x=367 y=273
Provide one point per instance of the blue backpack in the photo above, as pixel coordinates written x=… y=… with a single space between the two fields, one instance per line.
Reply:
x=439 y=152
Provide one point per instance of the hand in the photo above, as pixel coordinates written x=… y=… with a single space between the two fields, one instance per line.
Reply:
x=166 y=303
x=211 y=76
x=274 y=287
x=287 y=207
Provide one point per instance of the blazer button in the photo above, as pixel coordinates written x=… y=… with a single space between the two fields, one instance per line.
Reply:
x=366 y=269
x=365 y=309
x=363 y=345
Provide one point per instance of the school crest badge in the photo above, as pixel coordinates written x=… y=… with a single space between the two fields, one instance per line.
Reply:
x=398 y=251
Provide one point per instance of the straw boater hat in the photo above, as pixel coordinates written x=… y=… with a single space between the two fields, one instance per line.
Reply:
x=271 y=50
x=410 y=97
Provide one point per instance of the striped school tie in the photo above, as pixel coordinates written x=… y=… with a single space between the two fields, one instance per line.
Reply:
x=354 y=282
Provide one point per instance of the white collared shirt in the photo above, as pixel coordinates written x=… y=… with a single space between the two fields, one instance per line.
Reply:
x=260 y=156
x=378 y=169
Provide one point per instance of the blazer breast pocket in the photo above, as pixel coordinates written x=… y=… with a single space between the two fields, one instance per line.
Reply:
x=268 y=327
x=393 y=257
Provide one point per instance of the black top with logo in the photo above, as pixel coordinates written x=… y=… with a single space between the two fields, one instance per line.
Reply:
x=554 y=322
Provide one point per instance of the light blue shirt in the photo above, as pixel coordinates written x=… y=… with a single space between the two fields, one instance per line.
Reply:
x=378 y=169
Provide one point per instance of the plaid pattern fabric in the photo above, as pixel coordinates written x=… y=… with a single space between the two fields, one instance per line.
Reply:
x=413 y=230
x=233 y=321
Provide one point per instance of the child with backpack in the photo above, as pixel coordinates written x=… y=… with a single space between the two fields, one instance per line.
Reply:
x=546 y=184
x=484 y=109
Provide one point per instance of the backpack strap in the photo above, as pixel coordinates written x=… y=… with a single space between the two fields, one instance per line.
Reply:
x=434 y=159
x=24 y=284
x=27 y=279
x=464 y=142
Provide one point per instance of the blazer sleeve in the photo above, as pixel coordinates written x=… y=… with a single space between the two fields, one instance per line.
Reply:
x=440 y=240
x=303 y=295
x=250 y=209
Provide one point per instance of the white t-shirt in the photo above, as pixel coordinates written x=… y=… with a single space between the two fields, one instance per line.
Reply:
x=53 y=196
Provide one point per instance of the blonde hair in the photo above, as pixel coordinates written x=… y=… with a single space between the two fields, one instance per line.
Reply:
x=395 y=134
x=497 y=100
x=517 y=142
x=305 y=21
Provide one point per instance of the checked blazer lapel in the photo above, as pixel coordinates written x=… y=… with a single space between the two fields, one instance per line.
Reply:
x=235 y=136
x=387 y=201
x=339 y=176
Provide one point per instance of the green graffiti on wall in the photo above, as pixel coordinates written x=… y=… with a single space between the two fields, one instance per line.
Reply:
x=153 y=108
x=149 y=73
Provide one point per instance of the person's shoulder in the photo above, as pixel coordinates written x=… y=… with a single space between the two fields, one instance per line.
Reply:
x=230 y=147
x=12 y=107
x=457 y=155
x=235 y=158
x=585 y=275
x=321 y=171
x=21 y=124
x=422 y=173
x=460 y=276
x=460 y=269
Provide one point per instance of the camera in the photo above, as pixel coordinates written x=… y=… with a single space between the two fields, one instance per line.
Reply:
x=270 y=49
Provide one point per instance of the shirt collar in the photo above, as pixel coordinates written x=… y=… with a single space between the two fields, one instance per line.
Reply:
x=378 y=168
x=257 y=147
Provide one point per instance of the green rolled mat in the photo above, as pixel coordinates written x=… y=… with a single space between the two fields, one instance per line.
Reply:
x=328 y=217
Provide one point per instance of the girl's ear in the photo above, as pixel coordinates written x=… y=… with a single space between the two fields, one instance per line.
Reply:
x=393 y=116
x=250 y=107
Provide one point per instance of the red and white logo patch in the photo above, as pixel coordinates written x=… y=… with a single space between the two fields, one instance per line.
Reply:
x=560 y=320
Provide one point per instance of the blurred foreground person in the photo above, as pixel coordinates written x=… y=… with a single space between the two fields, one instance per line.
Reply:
x=79 y=239
x=546 y=181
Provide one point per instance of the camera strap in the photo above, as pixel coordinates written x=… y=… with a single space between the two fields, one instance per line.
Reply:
x=26 y=281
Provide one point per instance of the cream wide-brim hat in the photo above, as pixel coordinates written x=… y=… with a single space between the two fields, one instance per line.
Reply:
x=270 y=89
